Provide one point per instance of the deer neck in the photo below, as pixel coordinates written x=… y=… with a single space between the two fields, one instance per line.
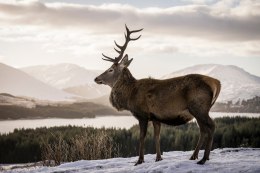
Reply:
x=122 y=90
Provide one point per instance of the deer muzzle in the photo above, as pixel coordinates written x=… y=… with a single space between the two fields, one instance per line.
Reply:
x=98 y=81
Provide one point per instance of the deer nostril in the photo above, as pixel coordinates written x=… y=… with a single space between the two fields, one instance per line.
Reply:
x=98 y=81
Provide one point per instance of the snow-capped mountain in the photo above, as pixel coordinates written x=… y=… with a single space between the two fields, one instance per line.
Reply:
x=69 y=77
x=236 y=83
x=62 y=75
x=19 y=83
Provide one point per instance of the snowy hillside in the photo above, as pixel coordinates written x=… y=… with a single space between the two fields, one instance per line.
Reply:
x=222 y=161
x=61 y=75
x=17 y=82
x=236 y=82
x=69 y=77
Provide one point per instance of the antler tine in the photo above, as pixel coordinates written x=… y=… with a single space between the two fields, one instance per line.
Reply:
x=137 y=30
x=127 y=36
x=135 y=38
x=133 y=31
x=122 y=48
x=127 y=39
x=108 y=58
x=118 y=51
x=127 y=30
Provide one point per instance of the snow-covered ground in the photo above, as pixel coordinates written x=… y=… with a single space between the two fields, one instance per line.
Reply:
x=222 y=161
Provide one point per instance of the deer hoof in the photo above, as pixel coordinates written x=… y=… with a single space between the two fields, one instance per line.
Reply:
x=139 y=162
x=158 y=159
x=201 y=162
x=193 y=157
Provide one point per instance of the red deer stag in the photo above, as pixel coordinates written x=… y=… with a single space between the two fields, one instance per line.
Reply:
x=172 y=101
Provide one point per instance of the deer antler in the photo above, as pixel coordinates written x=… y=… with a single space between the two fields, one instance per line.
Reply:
x=122 y=48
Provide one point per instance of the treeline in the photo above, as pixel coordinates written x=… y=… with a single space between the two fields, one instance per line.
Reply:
x=248 y=106
x=63 y=144
x=74 y=110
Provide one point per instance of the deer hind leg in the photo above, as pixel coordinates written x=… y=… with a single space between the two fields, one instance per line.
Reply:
x=157 y=128
x=143 y=129
x=208 y=127
x=199 y=108
x=200 y=142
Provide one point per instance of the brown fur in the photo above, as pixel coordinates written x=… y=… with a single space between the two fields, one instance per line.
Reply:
x=172 y=101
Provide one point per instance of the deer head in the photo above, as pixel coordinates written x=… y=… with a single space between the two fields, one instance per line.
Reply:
x=111 y=75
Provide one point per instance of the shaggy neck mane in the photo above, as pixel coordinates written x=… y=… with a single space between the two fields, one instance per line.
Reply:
x=122 y=90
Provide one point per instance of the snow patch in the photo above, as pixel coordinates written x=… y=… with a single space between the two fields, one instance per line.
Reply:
x=231 y=160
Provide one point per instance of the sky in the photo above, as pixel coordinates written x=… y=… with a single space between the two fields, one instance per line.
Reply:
x=177 y=33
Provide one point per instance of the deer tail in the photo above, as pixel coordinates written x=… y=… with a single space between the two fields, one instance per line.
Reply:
x=216 y=87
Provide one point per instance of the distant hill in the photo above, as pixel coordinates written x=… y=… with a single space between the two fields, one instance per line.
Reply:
x=89 y=91
x=12 y=107
x=70 y=78
x=236 y=83
x=104 y=100
x=8 y=99
x=17 y=82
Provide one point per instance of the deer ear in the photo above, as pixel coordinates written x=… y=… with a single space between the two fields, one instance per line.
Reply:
x=125 y=62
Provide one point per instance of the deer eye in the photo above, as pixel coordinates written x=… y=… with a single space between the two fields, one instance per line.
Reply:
x=110 y=70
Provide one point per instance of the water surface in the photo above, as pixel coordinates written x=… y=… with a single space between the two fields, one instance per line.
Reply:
x=126 y=122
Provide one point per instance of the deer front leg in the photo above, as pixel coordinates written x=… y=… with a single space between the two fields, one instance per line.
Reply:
x=157 y=128
x=143 y=129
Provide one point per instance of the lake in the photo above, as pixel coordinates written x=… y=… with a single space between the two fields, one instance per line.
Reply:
x=127 y=122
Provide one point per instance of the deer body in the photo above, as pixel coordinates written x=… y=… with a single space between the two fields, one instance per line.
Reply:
x=172 y=101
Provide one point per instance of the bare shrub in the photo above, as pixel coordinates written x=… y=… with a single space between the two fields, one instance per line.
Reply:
x=88 y=146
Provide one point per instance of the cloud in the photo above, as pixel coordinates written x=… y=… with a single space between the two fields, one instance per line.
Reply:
x=61 y=32
x=222 y=21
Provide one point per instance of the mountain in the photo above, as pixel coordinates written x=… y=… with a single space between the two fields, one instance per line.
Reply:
x=17 y=82
x=69 y=77
x=61 y=75
x=236 y=83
